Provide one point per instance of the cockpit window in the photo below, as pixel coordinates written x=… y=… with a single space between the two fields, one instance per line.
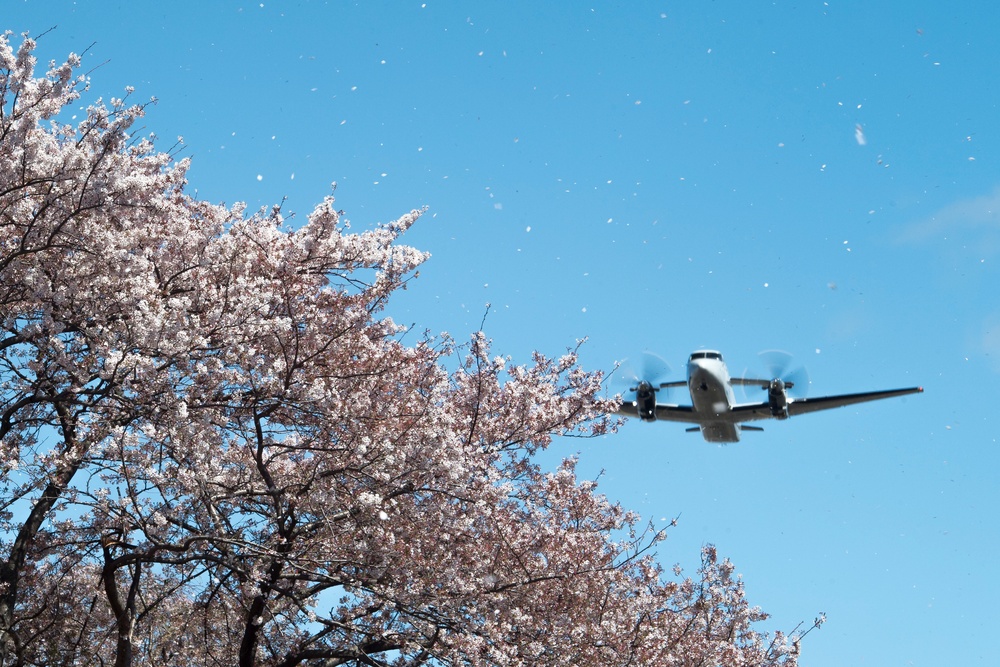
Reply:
x=706 y=355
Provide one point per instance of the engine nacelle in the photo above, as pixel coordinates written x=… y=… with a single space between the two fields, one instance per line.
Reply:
x=645 y=402
x=777 y=399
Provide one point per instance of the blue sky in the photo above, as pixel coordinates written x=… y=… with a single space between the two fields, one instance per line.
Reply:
x=819 y=177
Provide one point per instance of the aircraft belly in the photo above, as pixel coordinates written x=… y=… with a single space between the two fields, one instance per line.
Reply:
x=712 y=400
x=720 y=432
x=709 y=398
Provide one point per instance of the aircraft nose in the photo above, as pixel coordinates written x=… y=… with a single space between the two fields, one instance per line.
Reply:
x=697 y=375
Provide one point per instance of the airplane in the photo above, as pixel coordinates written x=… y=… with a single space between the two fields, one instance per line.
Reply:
x=714 y=409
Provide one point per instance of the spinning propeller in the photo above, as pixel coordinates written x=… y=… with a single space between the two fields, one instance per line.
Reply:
x=781 y=375
x=651 y=374
x=780 y=370
x=643 y=385
x=783 y=381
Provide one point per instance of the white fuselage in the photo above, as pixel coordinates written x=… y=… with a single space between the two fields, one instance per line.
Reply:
x=712 y=396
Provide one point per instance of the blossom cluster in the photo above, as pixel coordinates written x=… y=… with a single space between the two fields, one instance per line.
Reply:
x=216 y=448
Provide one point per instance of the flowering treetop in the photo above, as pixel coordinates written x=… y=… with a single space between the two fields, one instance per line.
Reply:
x=216 y=449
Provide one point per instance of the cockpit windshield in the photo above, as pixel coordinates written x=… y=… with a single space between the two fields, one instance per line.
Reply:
x=706 y=355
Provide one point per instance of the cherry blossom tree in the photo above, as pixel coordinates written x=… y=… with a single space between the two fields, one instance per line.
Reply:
x=217 y=449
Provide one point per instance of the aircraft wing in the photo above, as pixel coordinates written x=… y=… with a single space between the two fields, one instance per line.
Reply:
x=672 y=413
x=745 y=412
x=755 y=382
x=762 y=410
x=676 y=413
x=749 y=382
x=628 y=409
x=800 y=406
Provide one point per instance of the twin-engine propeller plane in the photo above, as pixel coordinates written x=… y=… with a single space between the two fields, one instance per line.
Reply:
x=714 y=409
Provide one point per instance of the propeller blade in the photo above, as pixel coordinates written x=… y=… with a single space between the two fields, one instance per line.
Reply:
x=652 y=369
x=777 y=362
x=624 y=379
x=779 y=365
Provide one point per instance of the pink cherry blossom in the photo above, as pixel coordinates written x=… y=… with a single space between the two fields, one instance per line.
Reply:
x=217 y=450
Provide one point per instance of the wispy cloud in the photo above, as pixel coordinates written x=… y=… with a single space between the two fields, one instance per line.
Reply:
x=980 y=215
x=965 y=238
